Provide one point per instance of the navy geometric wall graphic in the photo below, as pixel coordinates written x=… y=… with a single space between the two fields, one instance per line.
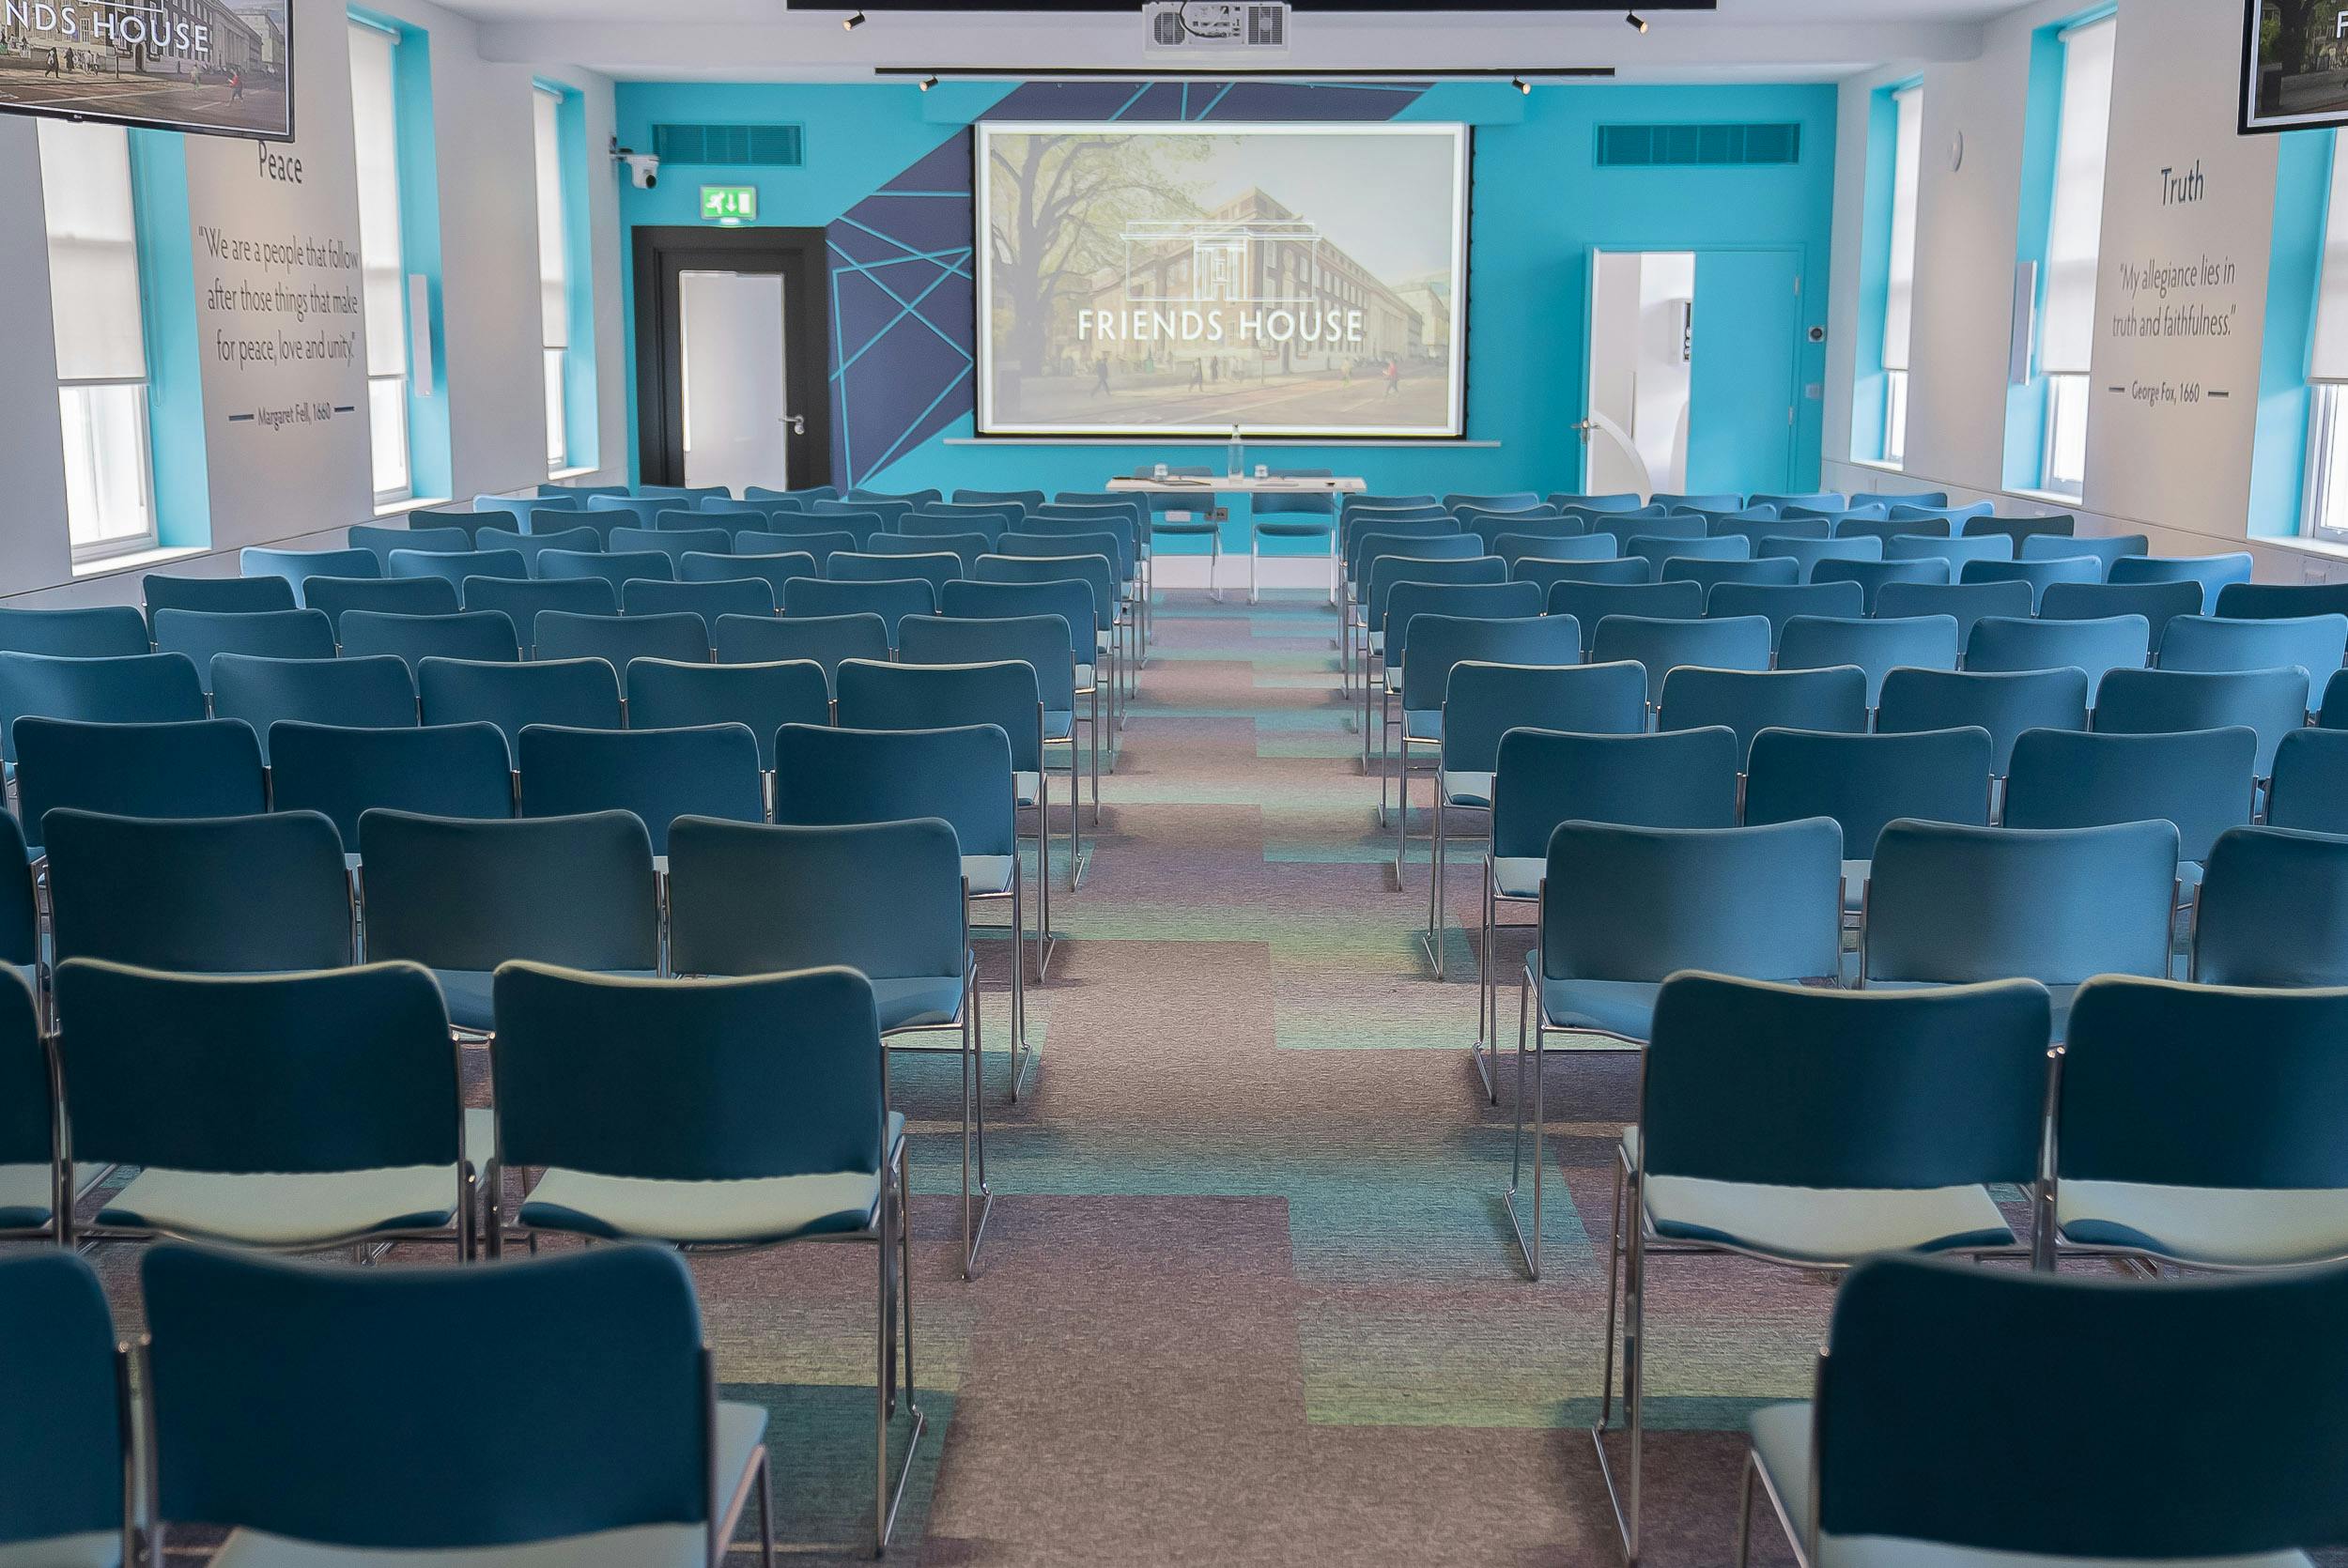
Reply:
x=903 y=358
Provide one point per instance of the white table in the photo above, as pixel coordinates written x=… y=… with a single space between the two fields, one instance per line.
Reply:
x=1210 y=487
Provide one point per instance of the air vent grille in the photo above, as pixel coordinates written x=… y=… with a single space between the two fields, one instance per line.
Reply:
x=1693 y=146
x=732 y=147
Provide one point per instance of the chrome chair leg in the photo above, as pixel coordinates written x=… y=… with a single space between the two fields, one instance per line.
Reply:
x=1529 y=1248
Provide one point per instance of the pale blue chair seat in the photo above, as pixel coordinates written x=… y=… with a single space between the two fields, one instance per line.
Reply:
x=1820 y=1224
x=917 y=1002
x=1622 y=1008
x=24 y=1204
x=468 y=993
x=754 y=1210
x=989 y=875
x=1780 y=1444
x=2059 y=998
x=1418 y=724
x=1519 y=876
x=101 y=1548
x=1468 y=787
x=271 y=1209
x=1060 y=725
x=2229 y=1228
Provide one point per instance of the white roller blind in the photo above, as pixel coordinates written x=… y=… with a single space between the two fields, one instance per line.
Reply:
x=1899 y=297
x=374 y=122
x=554 y=300
x=2328 y=361
x=93 y=252
x=2067 y=327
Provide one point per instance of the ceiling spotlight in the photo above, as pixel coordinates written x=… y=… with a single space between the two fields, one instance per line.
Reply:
x=1635 y=19
x=853 y=21
x=928 y=82
x=1522 y=86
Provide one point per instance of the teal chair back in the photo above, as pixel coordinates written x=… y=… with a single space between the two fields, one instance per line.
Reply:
x=1516 y=546
x=337 y=596
x=656 y=776
x=140 y=688
x=2271 y=703
x=1440 y=643
x=1921 y=499
x=1918 y=509
x=1507 y=501
x=1655 y=549
x=479 y=634
x=20 y=933
x=1773 y=571
x=1620 y=500
x=775 y=571
x=527 y=509
x=577 y=494
x=1714 y=501
x=1863 y=526
x=825 y=640
x=299 y=566
x=892 y=906
x=2273 y=911
x=930 y=532
x=821 y=543
x=440 y=770
x=1099 y=533
x=2116 y=642
x=1042 y=642
x=1663 y=645
x=2003 y=703
x=374 y=691
x=179 y=894
x=665 y=694
x=1813 y=500
x=617 y=638
x=1433 y=540
x=966 y=549
x=1768 y=524
x=1027 y=500
x=2271 y=600
x=208 y=767
x=470 y=894
x=91 y=632
x=1762 y=903
x=1546 y=574
x=1966 y=603
x=613 y=566
x=1801 y=1086
x=936 y=568
x=670 y=541
x=1913 y=545
x=961 y=775
x=2158 y=603
x=1003 y=695
x=707 y=600
x=2309 y=784
x=2021 y=529
x=583 y=694
x=380 y=540
x=894 y=600
x=1590 y=603
x=282 y=634
x=1780 y=602
x=1408 y=601
x=1952 y=904
x=2211 y=574
x=1749 y=702
x=456 y=565
x=1811 y=553
x=529 y=546
x=520 y=601
x=2316 y=643
x=1877 y=646
x=1095 y=571
x=284 y=1395
x=1865 y=782
x=1677 y=779
x=1686 y=526
x=2103 y=548
x=218 y=595
x=1488 y=702
x=2037 y=572
x=1974 y=1375
x=636 y=511
x=1873 y=576
x=61 y=1427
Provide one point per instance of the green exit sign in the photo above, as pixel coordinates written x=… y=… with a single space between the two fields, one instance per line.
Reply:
x=729 y=204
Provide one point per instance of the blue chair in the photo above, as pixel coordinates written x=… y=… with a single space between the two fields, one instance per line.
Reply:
x=1875 y=646
x=283 y=634
x=655 y=774
x=1952 y=905
x=2037 y=573
x=1312 y=514
x=775 y=571
x=246 y=1132
x=520 y=601
x=529 y=546
x=1515 y=547
x=663 y=694
x=1811 y=552
x=578 y=492
x=335 y=596
x=646 y=1466
x=1770 y=526
x=936 y=569
x=1408 y=602
x=820 y=543
x=1044 y=644
x=827 y=640
x=709 y=600
x=616 y=568
x=893 y=913
x=1664 y=645
x=1956 y=552
x=456 y=565
x=1779 y=603
x=2022 y=530
x=144 y=688
x=2210 y=572
x=1865 y=782
x=1820 y=501
x=2200 y=781
x=1621 y=500
x=2105 y=549
x=1922 y=499
x=805 y=494
x=1966 y=603
x=2168 y=1150
x=2119 y=643
x=215 y=595
x=95 y=632
x=179 y=895
x=1590 y=603
x=1600 y=765
x=1879 y=1158
x=2267 y=601
x=670 y=541
x=582 y=694
x=1873 y=577
x=1690 y=527
x=379 y=541
x=892 y=600
x=638 y=511
x=2316 y=643
x=617 y=638
x=341 y=772
x=1863 y=526
x=1656 y=550
x=1546 y=575
x=830 y=777
x=964 y=547
x=1026 y=500
x=2273 y=910
x=2003 y=703
x=1715 y=502
x=1958 y=514
x=2271 y=703
x=463 y=896
x=1646 y=903
x=2158 y=603
x=63 y=1425
x=2308 y=788
x=562 y=511
x=480 y=634
x=1747 y=702
x=20 y=950
x=208 y=767
x=377 y=692
x=299 y=566
x=1773 y=571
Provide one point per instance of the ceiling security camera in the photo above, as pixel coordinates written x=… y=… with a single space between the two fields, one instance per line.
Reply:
x=643 y=169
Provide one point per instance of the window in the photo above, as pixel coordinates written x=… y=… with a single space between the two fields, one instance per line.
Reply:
x=100 y=336
x=2066 y=328
x=1899 y=294
x=554 y=290
x=381 y=264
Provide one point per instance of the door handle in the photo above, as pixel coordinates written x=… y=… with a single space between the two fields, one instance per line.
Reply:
x=796 y=421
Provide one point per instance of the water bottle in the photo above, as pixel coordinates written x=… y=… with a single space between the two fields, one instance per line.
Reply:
x=1237 y=455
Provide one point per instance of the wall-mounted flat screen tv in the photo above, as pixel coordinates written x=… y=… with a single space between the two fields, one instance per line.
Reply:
x=2295 y=64
x=218 y=68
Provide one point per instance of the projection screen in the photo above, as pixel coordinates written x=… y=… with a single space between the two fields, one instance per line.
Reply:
x=1294 y=280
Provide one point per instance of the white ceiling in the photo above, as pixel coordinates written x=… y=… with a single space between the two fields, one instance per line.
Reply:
x=754 y=41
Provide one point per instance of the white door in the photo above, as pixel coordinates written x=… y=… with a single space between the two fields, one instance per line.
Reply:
x=1640 y=304
x=735 y=409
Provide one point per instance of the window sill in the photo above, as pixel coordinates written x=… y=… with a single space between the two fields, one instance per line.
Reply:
x=1879 y=464
x=2051 y=497
x=2330 y=549
x=559 y=476
x=137 y=559
x=412 y=503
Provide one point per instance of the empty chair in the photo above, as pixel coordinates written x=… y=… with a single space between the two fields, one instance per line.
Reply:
x=284 y=634
x=520 y=601
x=1952 y=906
x=1663 y=646
x=94 y=632
x=1547 y=574
x=208 y=767
x=2119 y=643
x=2020 y=530
x=480 y=634
x=2200 y=781
x=1623 y=500
x=1864 y=782
x=456 y=565
x=354 y=690
x=1776 y=570
x=663 y=694
x=2269 y=702
x=1910 y=530
x=2002 y=704
x=823 y=639
x=1042 y=642
x=1810 y=552
x=1779 y=603
x=1515 y=547
x=333 y=597
x=578 y=492
x=821 y=543
x=525 y=510
x=640 y=511
x=446 y=770
x=1749 y=702
x=2273 y=910
x=2315 y=643
x=144 y=688
x=2037 y=573
x=461 y=897
x=1687 y=527
x=181 y=894
x=617 y=638
x=1590 y=603
x=1897 y=497
x=1656 y=551
x=1873 y=577
x=1768 y=524
x=1956 y=552
x=892 y=600
x=583 y=694
x=216 y=595
x=708 y=600
x=2210 y=572
x=1712 y=502
x=670 y=541
x=614 y=567
x=65 y=1426
x=1876 y=647
x=299 y=566
x=380 y=540
x=1909 y=508
x=655 y=774
x=1966 y=601
x=529 y=546
x=2158 y=603
x=2103 y=548
x=2310 y=786
x=936 y=569
x=965 y=547
x=775 y=571
x=2267 y=601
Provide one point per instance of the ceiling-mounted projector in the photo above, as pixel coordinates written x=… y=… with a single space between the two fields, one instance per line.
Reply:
x=1213 y=27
